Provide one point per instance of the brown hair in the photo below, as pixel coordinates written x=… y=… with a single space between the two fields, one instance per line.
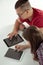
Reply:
x=34 y=36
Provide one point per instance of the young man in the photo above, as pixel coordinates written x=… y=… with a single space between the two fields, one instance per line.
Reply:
x=26 y=14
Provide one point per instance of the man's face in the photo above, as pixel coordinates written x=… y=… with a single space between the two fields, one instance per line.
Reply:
x=23 y=14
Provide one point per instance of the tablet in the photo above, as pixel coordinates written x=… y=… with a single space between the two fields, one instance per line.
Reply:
x=14 y=54
x=13 y=41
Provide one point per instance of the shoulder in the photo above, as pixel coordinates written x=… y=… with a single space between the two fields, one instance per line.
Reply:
x=38 y=12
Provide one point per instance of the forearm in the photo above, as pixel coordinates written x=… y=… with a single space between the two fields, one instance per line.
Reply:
x=27 y=46
x=16 y=26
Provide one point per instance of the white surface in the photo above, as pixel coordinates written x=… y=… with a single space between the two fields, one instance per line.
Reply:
x=8 y=14
x=26 y=58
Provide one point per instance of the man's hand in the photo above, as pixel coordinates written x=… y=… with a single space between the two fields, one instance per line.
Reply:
x=10 y=35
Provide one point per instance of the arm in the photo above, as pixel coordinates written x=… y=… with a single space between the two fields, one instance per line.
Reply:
x=16 y=25
x=22 y=47
x=15 y=29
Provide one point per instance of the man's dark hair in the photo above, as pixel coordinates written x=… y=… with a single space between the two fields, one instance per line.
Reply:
x=19 y=3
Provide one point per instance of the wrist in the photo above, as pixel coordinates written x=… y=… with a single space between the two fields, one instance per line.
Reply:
x=28 y=46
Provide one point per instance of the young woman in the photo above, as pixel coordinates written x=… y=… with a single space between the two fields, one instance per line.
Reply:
x=35 y=37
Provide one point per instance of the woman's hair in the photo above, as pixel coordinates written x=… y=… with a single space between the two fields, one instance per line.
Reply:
x=35 y=37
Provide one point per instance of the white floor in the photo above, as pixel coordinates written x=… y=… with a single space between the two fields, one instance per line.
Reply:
x=8 y=14
x=26 y=58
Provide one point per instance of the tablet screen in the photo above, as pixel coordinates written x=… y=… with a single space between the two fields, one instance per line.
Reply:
x=13 y=41
x=11 y=53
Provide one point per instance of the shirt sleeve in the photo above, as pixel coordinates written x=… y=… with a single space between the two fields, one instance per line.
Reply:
x=40 y=54
x=39 y=22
